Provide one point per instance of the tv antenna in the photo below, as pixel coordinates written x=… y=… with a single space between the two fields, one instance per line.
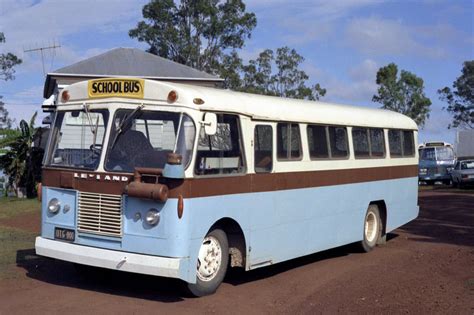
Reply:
x=42 y=49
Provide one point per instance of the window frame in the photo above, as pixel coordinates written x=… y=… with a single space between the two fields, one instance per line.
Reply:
x=402 y=137
x=289 y=158
x=328 y=143
x=111 y=133
x=369 y=142
x=54 y=134
x=326 y=136
x=245 y=168
x=255 y=146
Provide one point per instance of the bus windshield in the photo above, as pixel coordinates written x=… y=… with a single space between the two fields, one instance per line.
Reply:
x=78 y=138
x=144 y=139
x=437 y=154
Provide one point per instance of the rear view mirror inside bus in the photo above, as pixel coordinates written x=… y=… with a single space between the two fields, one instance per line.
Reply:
x=210 y=124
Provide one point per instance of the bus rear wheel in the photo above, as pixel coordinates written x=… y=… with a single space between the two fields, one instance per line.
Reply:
x=212 y=263
x=372 y=228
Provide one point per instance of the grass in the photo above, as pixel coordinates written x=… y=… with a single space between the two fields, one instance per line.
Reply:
x=10 y=207
x=14 y=240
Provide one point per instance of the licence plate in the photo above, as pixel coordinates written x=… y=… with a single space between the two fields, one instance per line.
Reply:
x=470 y=176
x=64 y=234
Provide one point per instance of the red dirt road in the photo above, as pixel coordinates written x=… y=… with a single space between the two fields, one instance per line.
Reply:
x=426 y=266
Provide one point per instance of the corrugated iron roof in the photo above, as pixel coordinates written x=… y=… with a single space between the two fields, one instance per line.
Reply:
x=128 y=62
x=132 y=62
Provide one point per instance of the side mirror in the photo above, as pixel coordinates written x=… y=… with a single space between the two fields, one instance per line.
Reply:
x=48 y=120
x=210 y=124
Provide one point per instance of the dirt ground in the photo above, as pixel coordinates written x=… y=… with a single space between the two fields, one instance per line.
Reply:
x=426 y=266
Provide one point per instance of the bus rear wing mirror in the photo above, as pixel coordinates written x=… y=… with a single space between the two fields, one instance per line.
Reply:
x=48 y=120
x=210 y=124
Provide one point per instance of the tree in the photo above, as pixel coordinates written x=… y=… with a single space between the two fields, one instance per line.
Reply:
x=230 y=69
x=286 y=81
x=195 y=33
x=19 y=161
x=5 y=120
x=461 y=99
x=7 y=63
x=404 y=94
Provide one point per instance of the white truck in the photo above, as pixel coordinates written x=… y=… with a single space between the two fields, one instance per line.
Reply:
x=464 y=144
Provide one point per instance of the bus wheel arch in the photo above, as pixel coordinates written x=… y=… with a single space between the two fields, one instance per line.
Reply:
x=383 y=218
x=223 y=241
x=212 y=263
x=236 y=240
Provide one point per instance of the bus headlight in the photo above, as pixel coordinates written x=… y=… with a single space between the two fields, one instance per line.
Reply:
x=423 y=170
x=152 y=217
x=54 y=205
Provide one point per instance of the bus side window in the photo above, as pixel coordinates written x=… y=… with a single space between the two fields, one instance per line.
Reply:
x=317 y=142
x=263 y=141
x=377 y=143
x=360 y=140
x=401 y=143
x=221 y=153
x=338 y=142
x=408 y=143
x=288 y=141
x=395 y=143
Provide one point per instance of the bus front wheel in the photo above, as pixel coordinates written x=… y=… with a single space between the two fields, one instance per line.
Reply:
x=372 y=228
x=212 y=263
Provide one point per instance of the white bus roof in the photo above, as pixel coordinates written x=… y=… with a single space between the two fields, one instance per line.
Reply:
x=259 y=107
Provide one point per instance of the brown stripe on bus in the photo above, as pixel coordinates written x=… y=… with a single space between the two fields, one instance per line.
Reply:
x=226 y=185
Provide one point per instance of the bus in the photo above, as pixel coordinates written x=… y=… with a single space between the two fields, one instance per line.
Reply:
x=436 y=162
x=185 y=182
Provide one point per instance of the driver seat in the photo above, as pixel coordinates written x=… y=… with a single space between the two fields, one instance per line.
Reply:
x=134 y=147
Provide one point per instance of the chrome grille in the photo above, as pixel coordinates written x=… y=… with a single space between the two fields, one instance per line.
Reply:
x=100 y=214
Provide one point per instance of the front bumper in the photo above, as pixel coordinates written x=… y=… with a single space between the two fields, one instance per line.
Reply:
x=434 y=177
x=112 y=259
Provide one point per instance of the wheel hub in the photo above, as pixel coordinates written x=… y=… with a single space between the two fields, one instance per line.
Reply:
x=370 y=227
x=209 y=259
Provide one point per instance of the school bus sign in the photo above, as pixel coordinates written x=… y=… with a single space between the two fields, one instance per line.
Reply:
x=132 y=88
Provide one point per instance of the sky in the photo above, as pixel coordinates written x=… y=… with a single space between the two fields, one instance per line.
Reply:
x=344 y=43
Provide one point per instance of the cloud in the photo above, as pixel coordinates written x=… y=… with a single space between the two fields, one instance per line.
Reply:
x=27 y=23
x=302 y=22
x=24 y=104
x=357 y=88
x=436 y=127
x=378 y=36
x=366 y=71
x=313 y=9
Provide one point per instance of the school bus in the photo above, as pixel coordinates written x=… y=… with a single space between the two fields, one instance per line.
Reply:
x=184 y=181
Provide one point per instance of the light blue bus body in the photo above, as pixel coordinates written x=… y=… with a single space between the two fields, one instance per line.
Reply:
x=277 y=226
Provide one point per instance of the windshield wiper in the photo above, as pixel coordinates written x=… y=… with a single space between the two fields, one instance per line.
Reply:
x=94 y=139
x=89 y=118
x=124 y=122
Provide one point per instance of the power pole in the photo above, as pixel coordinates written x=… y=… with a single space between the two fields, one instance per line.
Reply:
x=42 y=49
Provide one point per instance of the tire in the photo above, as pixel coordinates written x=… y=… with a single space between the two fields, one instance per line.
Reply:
x=214 y=251
x=454 y=184
x=372 y=229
